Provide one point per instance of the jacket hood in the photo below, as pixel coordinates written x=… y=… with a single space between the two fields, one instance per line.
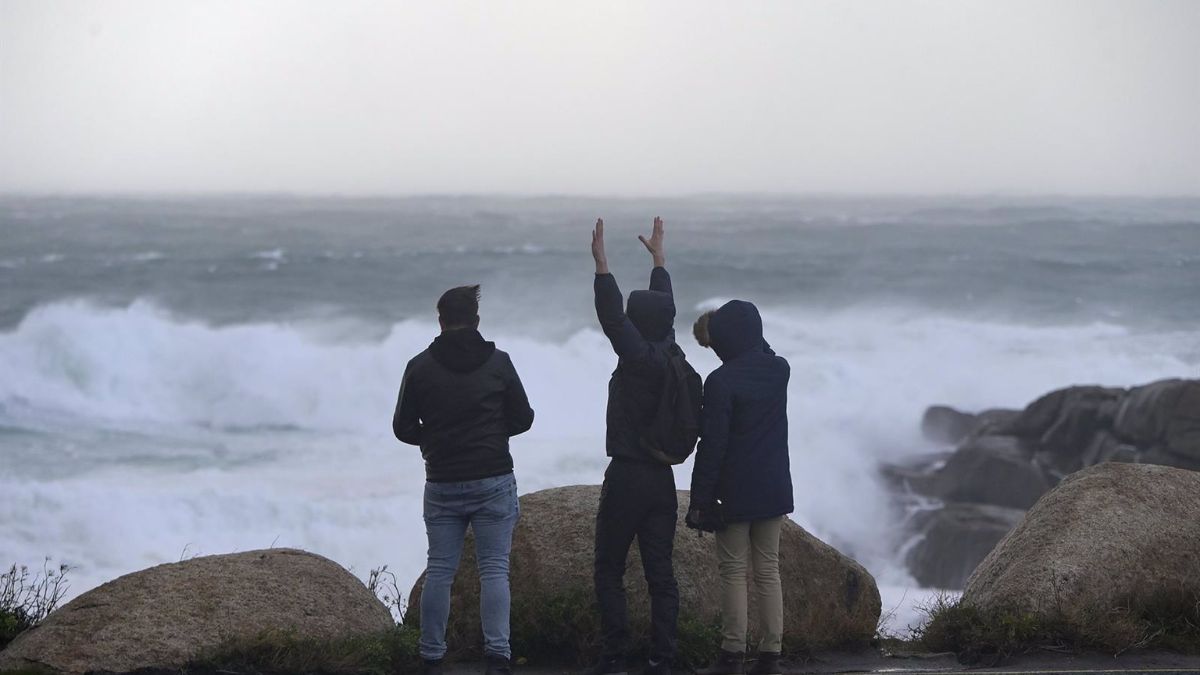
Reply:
x=735 y=329
x=652 y=313
x=461 y=350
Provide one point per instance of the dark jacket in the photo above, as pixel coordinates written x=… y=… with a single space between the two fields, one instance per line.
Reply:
x=640 y=334
x=742 y=460
x=460 y=400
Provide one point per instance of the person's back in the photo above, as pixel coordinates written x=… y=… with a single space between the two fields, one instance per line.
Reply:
x=468 y=400
x=638 y=497
x=460 y=401
x=741 y=481
x=749 y=390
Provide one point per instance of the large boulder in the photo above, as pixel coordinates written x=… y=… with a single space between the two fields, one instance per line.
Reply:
x=163 y=616
x=952 y=540
x=1109 y=540
x=829 y=599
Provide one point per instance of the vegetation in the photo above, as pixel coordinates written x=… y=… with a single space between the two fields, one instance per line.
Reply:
x=1164 y=620
x=279 y=652
x=27 y=597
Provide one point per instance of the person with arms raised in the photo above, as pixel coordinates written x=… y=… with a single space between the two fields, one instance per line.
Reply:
x=638 y=494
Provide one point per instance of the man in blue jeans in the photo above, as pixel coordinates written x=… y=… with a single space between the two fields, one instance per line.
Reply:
x=461 y=400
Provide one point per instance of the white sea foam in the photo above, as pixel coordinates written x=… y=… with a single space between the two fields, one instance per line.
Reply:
x=293 y=423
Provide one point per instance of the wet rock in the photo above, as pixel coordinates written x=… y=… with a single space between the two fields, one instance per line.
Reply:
x=954 y=539
x=995 y=470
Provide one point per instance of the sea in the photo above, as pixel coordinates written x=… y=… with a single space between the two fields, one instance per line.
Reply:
x=194 y=375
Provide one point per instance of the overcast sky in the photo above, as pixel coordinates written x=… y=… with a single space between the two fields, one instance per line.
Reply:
x=1080 y=97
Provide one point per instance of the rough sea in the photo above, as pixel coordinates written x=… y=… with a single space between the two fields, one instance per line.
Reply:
x=184 y=376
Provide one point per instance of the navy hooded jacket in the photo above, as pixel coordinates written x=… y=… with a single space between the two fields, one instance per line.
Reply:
x=742 y=460
x=641 y=334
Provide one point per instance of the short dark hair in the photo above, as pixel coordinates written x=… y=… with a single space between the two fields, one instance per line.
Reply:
x=459 y=307
x=700 y=329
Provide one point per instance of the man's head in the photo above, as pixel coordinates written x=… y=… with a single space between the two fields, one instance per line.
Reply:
x=459 y=308
x=652 y=313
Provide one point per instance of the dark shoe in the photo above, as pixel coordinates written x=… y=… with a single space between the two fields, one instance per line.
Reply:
x=430 y=667
x=498 y=665
x=728 y=663
x=767 y=664
x=657 y=668
x=607 y=667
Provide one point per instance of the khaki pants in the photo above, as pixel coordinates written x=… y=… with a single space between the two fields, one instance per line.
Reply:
x=739 y=546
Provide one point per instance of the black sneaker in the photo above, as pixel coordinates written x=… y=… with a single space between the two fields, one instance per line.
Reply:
x=498 y=665
x=767 y=664
x=431 y=667
x=607 y=666
x=657 y=668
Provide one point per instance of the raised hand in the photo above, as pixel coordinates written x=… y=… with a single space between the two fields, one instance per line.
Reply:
x=598 y=253
x=655 y=243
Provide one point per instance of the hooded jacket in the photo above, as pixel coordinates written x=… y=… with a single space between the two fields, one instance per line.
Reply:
x=742 y=460
x=640 y=334
x=460 y=401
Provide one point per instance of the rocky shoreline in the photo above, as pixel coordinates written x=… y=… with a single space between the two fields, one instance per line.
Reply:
x=998 y=463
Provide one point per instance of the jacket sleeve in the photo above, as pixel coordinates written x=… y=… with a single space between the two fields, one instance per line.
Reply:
x=626 y=341
x=406 y=423
x=714 y=441
x=517 y=413
x=660 y=280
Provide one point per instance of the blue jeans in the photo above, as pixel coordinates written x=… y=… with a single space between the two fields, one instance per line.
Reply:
x=490 y=507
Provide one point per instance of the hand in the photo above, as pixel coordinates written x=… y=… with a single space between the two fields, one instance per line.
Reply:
x=705 y=520
x=598 y=248
x=655 y=243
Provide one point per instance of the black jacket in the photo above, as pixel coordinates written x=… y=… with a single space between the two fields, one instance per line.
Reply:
x=742 y=460
x=640 y=335
x=460 y=400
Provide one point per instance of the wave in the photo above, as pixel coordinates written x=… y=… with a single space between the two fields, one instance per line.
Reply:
x=317 y=398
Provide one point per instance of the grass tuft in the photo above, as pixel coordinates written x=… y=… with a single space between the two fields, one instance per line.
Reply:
x=280 y=652
x=26 y=598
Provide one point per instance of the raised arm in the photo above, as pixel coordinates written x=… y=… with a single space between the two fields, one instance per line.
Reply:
x=626 y=341
x=659 y=279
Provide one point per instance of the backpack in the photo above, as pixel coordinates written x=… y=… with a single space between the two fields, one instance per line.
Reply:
x=672 y=434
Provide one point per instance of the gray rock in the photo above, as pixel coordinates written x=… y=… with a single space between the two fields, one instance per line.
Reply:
x=991 y=470
x=162 y=616
x=828 y=598
x=943 y=424
x=954 y=539
x=1057 y=418
x=1166 y=415
x=1109 y=538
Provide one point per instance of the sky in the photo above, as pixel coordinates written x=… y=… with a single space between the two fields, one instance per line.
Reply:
x=610 y=98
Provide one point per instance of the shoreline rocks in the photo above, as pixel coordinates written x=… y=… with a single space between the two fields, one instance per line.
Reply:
x=1010 y=458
